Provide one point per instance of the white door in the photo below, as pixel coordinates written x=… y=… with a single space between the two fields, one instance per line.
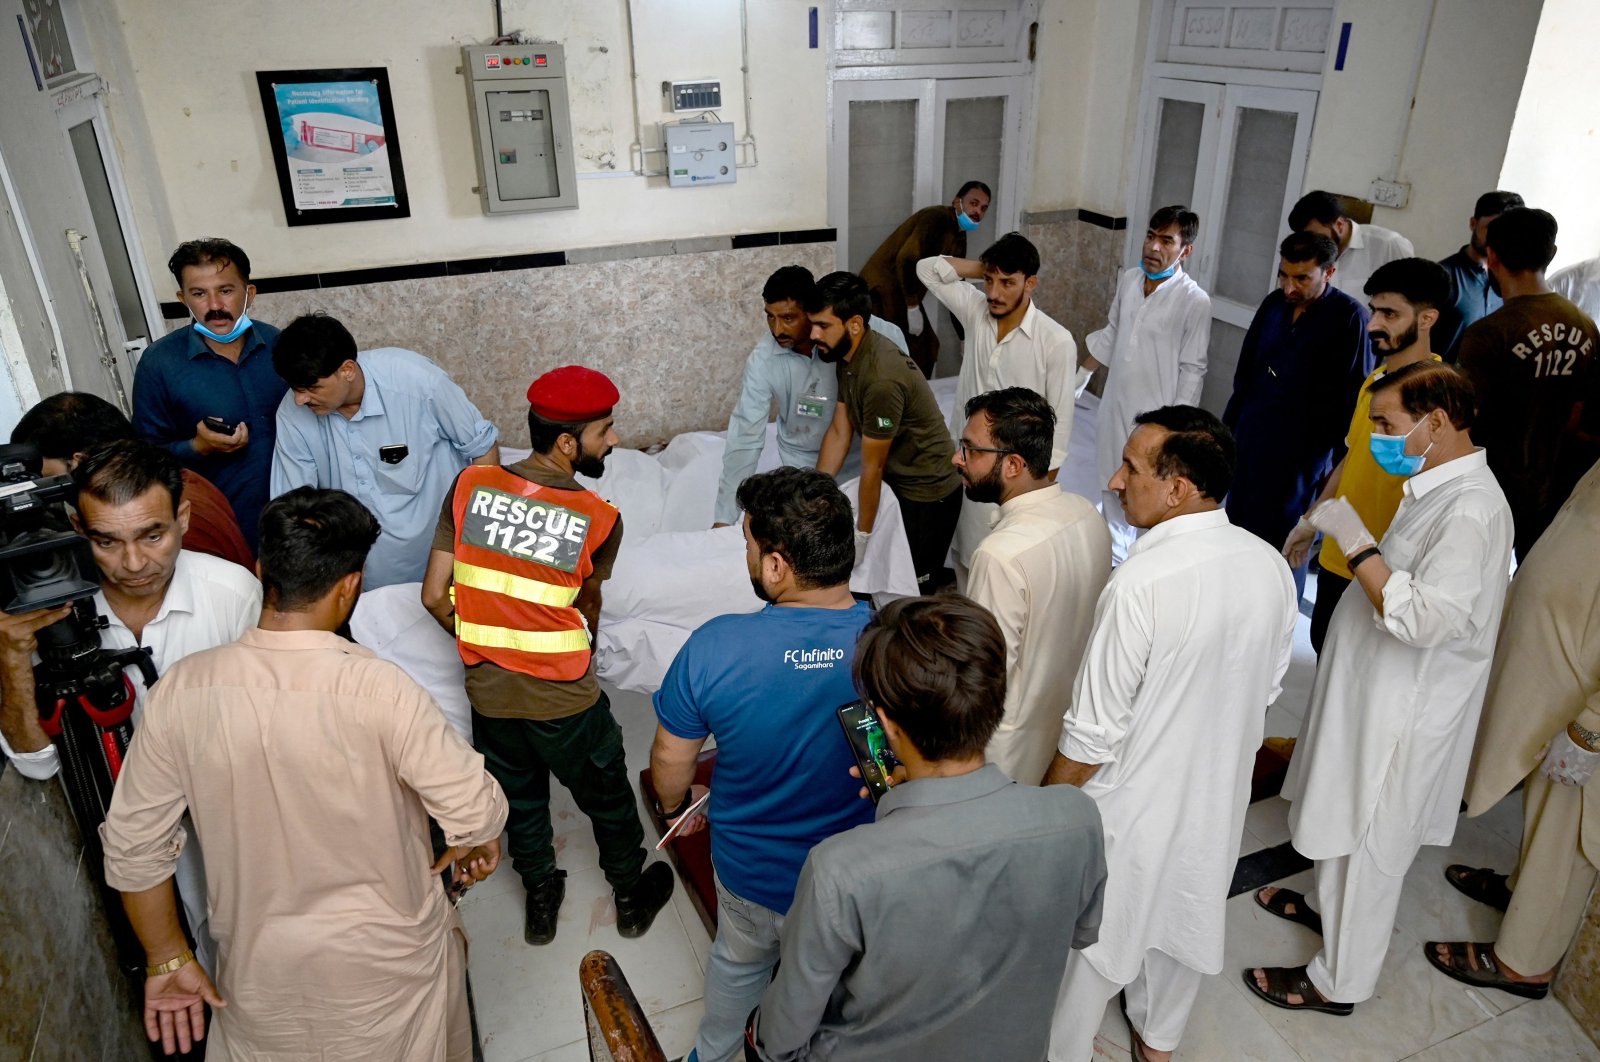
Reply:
x=1242 y=167
x=903 y=144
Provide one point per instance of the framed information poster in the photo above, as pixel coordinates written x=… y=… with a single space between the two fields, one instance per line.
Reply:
x=335 y=144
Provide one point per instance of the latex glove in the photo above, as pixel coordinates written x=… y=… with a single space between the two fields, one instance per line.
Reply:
x=861 y=545
x=915 y=320
x=1337 y=517
x=1081 y=381
x=1566 y=762
x=1297 y=547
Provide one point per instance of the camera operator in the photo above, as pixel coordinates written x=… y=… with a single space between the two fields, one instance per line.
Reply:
x=154 y=593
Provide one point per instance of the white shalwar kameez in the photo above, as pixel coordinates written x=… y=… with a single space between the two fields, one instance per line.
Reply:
x=1039 y=354
x=1382 y=756
x=1580 y=284
x=1154 y=350
x=1191 y=639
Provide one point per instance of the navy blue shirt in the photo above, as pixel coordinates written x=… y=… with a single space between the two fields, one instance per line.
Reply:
x=1471 y=300
x=1293 y=394
x=768 y=685
x=180 y=381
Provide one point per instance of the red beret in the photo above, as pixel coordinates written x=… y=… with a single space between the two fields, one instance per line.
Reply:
x=573 y=394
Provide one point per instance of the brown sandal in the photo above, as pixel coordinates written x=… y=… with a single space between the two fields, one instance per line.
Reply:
x=1474 y=964
x=1279 y=905
x=1284 y=981
x=1481 y=884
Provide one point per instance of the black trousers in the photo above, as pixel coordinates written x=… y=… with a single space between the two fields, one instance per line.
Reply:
x=1330 y=588
x=584 y=752
x=929 y=528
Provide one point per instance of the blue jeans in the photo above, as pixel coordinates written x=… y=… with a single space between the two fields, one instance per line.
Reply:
x=739 y=970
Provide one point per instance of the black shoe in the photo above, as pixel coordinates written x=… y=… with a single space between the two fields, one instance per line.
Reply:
x=544 y=905
x=638 y=907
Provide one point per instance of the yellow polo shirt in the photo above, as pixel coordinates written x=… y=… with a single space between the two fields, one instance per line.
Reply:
x=1372 y=492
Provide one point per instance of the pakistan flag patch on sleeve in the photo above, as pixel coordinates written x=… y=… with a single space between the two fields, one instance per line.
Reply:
x=885 y=422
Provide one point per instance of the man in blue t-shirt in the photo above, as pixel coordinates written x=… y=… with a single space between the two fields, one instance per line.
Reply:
x=767 y=685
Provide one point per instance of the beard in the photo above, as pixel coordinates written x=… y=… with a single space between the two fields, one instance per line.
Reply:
x=985 y=490
x=828 y=354
x=588 y=464
x=1401 y=342
x=761 y=591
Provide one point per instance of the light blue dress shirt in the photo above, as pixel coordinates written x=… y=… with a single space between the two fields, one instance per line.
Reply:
x=773 y=374
x=408 y=401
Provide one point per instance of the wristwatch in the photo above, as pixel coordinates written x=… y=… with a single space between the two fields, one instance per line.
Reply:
x=182 y=959
x=1590 y=738
x=688 y=798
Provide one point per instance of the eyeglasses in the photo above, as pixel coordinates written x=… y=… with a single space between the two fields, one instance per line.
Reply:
x=967 y=449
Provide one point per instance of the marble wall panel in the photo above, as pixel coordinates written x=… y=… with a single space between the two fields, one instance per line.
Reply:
x=1079 y=264
x=64 y=996
x=1578 y=984
x=671 y=330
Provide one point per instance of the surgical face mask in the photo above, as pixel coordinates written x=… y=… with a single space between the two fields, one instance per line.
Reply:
x=966 y=223
x=1390 y=453
x=1164 y=274
x=239 y=326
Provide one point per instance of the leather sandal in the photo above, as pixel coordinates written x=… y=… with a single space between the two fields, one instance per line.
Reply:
x=1479 y=883
x=1279 y=905
x=1474 y=964
x=1284 y=981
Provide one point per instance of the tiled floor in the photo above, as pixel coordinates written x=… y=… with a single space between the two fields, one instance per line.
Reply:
x=529 y=1008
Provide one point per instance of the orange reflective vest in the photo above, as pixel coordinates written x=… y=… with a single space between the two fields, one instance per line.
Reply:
x=522 y=552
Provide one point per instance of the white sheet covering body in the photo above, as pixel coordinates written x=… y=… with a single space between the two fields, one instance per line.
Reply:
x=1039 y=354
x=1191 y=640
x=1039 y=572
x=672 y=574
x=1581 y=284
x=1382 y=755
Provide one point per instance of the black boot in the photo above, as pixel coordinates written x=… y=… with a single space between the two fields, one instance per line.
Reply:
x=544 y=905
x=638 y=907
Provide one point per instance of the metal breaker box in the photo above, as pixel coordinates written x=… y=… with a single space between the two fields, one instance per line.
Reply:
x=700 y=153
x=521 y=126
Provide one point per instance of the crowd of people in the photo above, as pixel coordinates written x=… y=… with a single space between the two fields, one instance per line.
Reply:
x=1073 y=725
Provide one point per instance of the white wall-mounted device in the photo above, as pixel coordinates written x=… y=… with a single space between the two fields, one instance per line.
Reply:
x=700 y=153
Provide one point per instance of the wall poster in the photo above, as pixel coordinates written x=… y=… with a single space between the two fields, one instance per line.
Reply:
x=335 y=144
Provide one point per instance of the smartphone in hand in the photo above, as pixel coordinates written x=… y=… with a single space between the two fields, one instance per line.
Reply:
x=870 y=745
x=221 y=426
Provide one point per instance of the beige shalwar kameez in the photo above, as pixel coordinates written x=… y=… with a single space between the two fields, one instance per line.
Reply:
x=309 y=768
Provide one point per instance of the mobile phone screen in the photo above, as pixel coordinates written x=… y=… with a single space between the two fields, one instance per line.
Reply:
x=870 y=745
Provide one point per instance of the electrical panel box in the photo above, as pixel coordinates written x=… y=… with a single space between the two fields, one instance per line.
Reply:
x=700 y=153
x=694 y=95
x=521 y=126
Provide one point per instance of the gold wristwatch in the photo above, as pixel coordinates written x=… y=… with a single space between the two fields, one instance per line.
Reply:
x=183 y=958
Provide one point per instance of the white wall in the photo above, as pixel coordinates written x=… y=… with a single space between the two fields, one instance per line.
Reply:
x=1472 y=73
x=194 y=66
x=1089 y=68
x=1553 y=157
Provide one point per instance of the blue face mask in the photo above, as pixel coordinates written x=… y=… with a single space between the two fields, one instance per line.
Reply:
x=966 y=223
x=238 y=326
x=1164 y=274
x=1390 y=453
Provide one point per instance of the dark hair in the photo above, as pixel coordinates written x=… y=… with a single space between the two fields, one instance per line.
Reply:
x=311 y=348
x=1308 y=247
x=72 y=422
x=1188 y=222
x=970 y=185
x=1425 y=386
x=1322 y=207
x=212 y=250
x=1523 y=238
x=843 y=293
x=791 y=282
x=310 y=539
x=802 y=515
x=1198 y=447
x=937 y=667
x=1492 y=204
x=1020 y=421
x=542 y=434
x=1423 y=284
x=1012 y=253
x=119 y=471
